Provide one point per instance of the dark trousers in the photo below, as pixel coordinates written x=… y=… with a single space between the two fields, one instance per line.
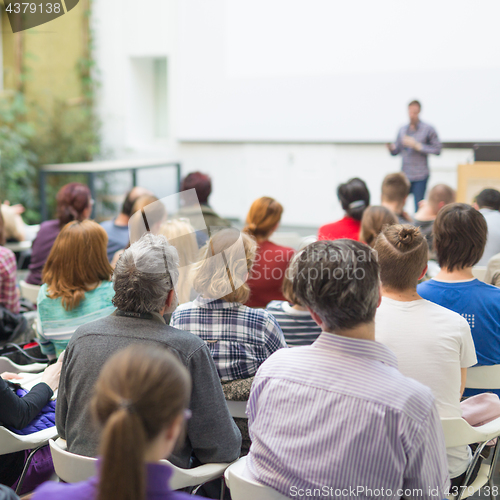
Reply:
x=417 y=188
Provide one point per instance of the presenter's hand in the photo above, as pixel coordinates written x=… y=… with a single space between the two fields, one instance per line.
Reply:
x=390 y=147
x=410 y=142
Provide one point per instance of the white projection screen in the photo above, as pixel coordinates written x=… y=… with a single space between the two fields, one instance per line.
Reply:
x=337 y=71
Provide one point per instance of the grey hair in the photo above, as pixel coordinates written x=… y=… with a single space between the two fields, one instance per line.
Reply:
x=339 y=281
x=145 y=274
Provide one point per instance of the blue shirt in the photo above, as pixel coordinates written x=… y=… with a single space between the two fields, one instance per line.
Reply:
x=118 y=237
x=479 y=304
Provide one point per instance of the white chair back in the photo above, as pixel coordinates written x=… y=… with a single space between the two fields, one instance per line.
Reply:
x=10 y=442
x=29 y=291
x=483 y=377
x=7 y=365
x=237 y=408
x=72 y=468
x=479 y=272
x=286 y=239
x=243 y=488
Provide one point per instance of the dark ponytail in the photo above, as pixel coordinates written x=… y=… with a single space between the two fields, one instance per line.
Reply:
x=354 y=197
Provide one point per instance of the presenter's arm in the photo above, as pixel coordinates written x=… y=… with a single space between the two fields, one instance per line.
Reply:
x=432 y=144
x=396 y=147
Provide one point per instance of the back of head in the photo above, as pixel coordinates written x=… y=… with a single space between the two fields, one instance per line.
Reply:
x=140 y=393
x=131 y=197
x=201 y=183
x=395 y=188
x=339 y=281
x=287 y=285
x=440 y=196
x=72 y=201
x=402 y=255
x=224 y=265
x=77 y=259
x=263 y=216
x=145 y=274
x=148 y=214
x=354 y=197
x=374 y=219
x=488 y=198
x=460 y=233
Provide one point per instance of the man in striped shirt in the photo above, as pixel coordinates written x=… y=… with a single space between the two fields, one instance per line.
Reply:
x=337 y=419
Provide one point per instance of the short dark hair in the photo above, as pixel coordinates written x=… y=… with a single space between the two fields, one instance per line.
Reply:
x=415 y=103
x=395 y=187
x=128 y=203
x=489 y=198
x=460 y=233
x=201 y=182
x=339 y=281
x=402 y=254
x=354 y=197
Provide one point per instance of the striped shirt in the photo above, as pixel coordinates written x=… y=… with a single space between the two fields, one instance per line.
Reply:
x=55 y=325
x=297 y=326
x=415 y=164
x=239 y=338
x=9 y=297
x=338 y=415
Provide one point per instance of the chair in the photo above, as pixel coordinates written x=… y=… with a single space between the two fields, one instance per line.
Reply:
x=457 y=432
x=72 y=468
x=243 y=488
x=479 y=272
x=237 y=408
x=28 y=291
x=286 y=239
x=483 y=377
x=7 y=365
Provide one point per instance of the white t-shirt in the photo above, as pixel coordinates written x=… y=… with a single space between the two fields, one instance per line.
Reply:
x=431 y=344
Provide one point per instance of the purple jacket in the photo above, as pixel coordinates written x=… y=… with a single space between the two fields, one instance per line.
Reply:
x=157 y=487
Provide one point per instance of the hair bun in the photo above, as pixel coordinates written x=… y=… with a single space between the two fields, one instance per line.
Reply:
x=407 y=235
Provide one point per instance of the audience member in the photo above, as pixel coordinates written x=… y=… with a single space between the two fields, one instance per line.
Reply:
x=9 y=295
x=492 y=275
x=395 y=191
x=459 y=239
x=144 y=280
x=15 y=229
x=181 y=235
x=295 y=320
x=354 y=198
x=74 y=202
x=488 y=203
x=140 y=402
x=271 y=260
x=18 y=413
x=374 y=219
x=240 y=338
x=439 y=196
x=148 y=215
x=117 y=228
x=77 y=285
x=339 y=413
x=432 y=344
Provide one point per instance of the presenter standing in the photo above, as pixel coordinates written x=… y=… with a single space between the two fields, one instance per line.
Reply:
x=415 y=141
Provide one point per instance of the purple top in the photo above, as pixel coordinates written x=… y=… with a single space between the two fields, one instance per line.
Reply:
x=157 y=487
x=40 y=250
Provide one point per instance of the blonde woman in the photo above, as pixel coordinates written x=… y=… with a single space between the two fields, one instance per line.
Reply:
x=181 y=234
x=240 y=339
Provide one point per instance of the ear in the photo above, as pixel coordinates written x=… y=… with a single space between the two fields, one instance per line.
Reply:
x=316 y=318
x=170 y=298
x=441 y=204
x=422 y=274
x=475 y=205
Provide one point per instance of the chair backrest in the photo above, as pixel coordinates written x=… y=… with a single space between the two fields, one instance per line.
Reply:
x=483 y=377
x=237 y=408
x=243 y=488
x=7 y=365
x=479 y=272
x=29 y=291
x=286 y=239
x=457 y=432
x=10 y=442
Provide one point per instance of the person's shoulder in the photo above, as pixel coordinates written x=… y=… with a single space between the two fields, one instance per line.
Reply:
x=451 y=318
x=49 y=224
x=269 y=245
x=6 y=254
x=107 y=224
x=62 y=491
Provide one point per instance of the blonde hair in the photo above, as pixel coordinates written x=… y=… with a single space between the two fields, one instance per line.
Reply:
x=224 y=265
x=373 y=221
x=182 y=236
x=262 y=217
x=146 y=219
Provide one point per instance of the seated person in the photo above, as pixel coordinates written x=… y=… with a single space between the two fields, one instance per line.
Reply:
x=18 y=413
x=144 y=280
x=338 y=413
x=395 y=191
x=15 y=229
x=271 y=260
x=9 y=295
x=492 y=275
x=117 y=228
x=140 y=402
x=240 y=339
x=354 y=198
x=374 y=219
x=459 y=239
x=74 y=202
x=439 y=196
x=77 y=285
x=488 y=203
x=295 y=320
x=433 y=344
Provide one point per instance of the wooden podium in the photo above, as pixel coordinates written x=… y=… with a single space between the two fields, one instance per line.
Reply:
x=474 y=177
